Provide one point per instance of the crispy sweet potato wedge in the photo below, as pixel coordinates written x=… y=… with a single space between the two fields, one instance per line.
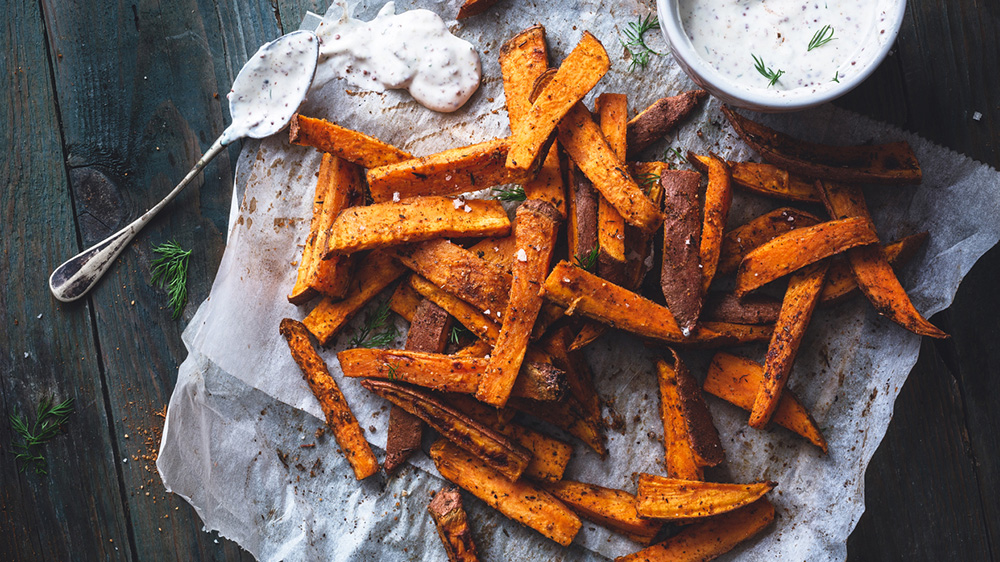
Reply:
x=469 y=316
x=349 y=435
x=657 y=120
x=458 y=271
x=737 y=380
x=772 y=181
x=579 y=72
x=751 y=309
x=678 y=449
x=339 y=185
x=638 y=249
x=583 y=141
x=797 y=307
x=375 y=272
x=798 y=248
x=405 y=300
x=446 y=509
x=682 y=273
x=612 y=110
x=428 y=332
x=494 y=449
x=521 y=501
x=699 y=430
x=474 y=8
x=582 y=212
x=892 y=163
x=498 y=252
x=718 y=198
x=710 y=538
x=415 y=220
x=579 y=379
x=672 y=498
x=536 y=232
x=614 y=509
x=593 y=297
x=738 y=242
x=871 y=269
x=450 y=172
x=522 y=60
x=566 y=415
x=840 y=281
x=355 y=147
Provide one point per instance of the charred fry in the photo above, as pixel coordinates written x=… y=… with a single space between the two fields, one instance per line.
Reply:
x=681 y=274
x=452 y=526
x=657 y=120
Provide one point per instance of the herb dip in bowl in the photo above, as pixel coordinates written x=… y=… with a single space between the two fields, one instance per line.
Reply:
x=779 y=55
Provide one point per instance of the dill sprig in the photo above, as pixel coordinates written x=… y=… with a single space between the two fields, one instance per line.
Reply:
x=377 y=331
x=170 y=272
x=457 y=331
x=647 y=180
x=392 y=371
x=822 y=37
x=49 y=419
x=836 y=77
x=588 y=261
x=674 y=154
x=768 y=73
x=512 y=193
x=635 y=44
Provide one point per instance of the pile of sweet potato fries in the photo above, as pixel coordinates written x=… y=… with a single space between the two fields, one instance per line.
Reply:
x=532 y=292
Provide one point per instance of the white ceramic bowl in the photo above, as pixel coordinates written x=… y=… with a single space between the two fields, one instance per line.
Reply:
x=770 y=100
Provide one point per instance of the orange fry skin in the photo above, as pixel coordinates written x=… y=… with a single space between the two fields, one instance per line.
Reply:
x=672 y=498
x=679 y=452
x=739 y=241
x=613 y=112
x=718 y=198
x=840 y=281
x=797 y=308
x=446 y=509
x=614 y=509
x=355 y=147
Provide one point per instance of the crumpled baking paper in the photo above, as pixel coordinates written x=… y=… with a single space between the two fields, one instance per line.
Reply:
x=239 y=441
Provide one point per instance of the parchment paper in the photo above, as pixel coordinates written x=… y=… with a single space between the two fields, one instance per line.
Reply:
x=239 y=440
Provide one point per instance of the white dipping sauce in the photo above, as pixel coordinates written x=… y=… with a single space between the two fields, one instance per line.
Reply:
x=413 y=50
x=271 y=86
x=727 y=32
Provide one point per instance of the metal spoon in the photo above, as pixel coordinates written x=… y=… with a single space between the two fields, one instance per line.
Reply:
x=266 y=93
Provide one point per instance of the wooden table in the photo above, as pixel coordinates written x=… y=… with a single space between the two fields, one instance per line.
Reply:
x=106 y=105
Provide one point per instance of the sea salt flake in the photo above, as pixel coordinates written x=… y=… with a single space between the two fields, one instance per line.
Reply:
x=522 y=255
x=487 y=312
x=395 y=197
x=457 y=203
x=977 y=116
x=467 y=209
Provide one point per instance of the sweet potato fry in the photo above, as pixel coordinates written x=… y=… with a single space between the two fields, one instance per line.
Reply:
x=568 y=416
x=751 y=309
x=469 y=316
x=548 y=315
x=428 y=332
x=657 y=120
x=446 y=509
x=349 y=435
x=871 y=269
x=678 y=449
x=614 y=509
x=582 y=292
x=582 y=212
x=892 y=163
x=737 y=380
x=414 y=220
x=375 y=272
x=536 y=232
x=478 y=348
x=772 y=181
x=613 y=112
x=583 y=141
x=684 y=398
x=498 y=252
x=739 y=241
x=798 y=248
x=797 y=307
x=718 y=198
x=840 y=281
x=579 y=72
x=405 y=300
x=494 y=449
x=355 y=147
x=521 y=501
x=710 y=538
x=458 y=271
x=579 y=379
x=451 y=172
x=522 y=60
x=672 y=498
x=474 y=8
x=339 y=185
x=681 y=274
x=638 y=250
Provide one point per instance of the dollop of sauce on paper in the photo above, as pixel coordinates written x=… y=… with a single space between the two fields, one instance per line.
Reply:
x=412 y=50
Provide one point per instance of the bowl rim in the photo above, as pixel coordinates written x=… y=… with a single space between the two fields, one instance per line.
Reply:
x=668 y=14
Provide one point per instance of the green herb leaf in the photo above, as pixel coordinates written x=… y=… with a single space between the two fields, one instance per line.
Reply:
x=635 y=44
x=170 y=272
x=836 y=77
x=392 y=372
x=647 y=180
x=49 y=419
x=588 y=261
x=377 y=330
x=674 y=154
x=457 y=332
x=822 y=37
x=768 y=73
x=512 y=193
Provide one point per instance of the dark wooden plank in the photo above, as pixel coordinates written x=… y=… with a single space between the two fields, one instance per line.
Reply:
x=46 y=348
x=137 y=85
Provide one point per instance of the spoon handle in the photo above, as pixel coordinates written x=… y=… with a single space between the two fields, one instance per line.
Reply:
x=75 y=277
